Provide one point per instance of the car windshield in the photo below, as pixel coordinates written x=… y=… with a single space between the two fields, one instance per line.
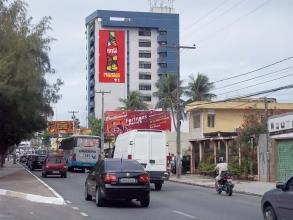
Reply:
x=55 y=160
x=40 y=158
x=123 y=165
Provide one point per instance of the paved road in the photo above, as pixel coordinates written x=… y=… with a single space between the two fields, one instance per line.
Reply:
x=174 y=202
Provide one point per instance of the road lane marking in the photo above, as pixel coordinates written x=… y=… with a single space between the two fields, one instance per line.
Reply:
x=75 y=208
x=83 y=214
x=184 y=214
x=67 y=201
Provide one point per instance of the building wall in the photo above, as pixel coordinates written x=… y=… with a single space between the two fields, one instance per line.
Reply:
x=185 y=144
x=130 y=22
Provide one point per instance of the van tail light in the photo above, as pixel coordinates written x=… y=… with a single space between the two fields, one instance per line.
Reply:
x=144 y=178
x=110 y=178
x=129 y=157
x=74 y=157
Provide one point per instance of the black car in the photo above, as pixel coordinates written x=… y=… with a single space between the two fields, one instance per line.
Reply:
x=118 y=179
x=36 y=161
x=278 y=203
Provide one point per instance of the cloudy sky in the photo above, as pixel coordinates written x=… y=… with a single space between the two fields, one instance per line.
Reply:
x=233 y=37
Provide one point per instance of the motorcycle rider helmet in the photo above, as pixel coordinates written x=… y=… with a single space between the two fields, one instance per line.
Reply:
x=221 y=160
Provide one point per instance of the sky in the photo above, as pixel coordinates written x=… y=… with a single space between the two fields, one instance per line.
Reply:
x=232 y=37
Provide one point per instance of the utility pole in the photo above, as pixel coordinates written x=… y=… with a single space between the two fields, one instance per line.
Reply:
x=267 y=140
x=178 y=112
x=102 y=121
x=73 y=118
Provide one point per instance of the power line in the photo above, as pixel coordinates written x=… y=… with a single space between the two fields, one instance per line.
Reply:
x=232 y=84
x=261 y=83
x=249 y=95
x=232 y=23
x=261 y=68
x=205 y=15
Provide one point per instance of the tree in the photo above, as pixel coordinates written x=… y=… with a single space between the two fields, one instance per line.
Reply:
x=134 y=101
x=198 y=89
x=25 y=95
x=167 y=95
x=95 y=125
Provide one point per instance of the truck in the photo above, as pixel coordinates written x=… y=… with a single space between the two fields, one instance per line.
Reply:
x=150 y=148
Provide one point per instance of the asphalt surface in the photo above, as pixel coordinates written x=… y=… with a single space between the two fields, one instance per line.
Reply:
x=174 y=202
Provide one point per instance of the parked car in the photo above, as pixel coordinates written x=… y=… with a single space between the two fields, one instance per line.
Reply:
x=118 y=179
x=54 y=165
x=36 y=161
x=278 y=203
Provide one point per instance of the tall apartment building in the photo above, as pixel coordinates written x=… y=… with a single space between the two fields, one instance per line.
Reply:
x=126 y=51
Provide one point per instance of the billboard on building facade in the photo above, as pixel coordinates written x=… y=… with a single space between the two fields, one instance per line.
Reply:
x=118 y=122
x=60 y=127
x=111 y=56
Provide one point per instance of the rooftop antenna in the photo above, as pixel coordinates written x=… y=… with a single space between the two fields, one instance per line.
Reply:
x=162 y=6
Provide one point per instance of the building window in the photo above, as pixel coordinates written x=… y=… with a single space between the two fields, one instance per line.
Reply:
x=196 y=121
x=272 y=126
x=146 y=98
x=162 y=32
x=163 y=65
x=144 y=54
x=211 y=120
x=145 y=65
x=145 y=75
x=144 y=32
x=144 y=43
x=145 y=87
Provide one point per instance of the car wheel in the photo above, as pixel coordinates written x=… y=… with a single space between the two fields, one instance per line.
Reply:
x=64 y=175
x=100 y=201
x=87 y=197
x=158 y=186
x=269 y=213
x=44 y=175
x=145 y=201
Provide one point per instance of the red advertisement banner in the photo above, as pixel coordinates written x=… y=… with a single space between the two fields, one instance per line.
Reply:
x=118 y=122
x=111 y=56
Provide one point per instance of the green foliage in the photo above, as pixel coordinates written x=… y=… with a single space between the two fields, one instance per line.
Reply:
x=206 y=167
x=134 y=102
x=167 y=95
x=25 y=95
x=198 y=89
x=95 y=125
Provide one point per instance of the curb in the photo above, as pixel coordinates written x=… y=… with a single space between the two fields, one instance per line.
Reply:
x=212 y=187
x=32 y=198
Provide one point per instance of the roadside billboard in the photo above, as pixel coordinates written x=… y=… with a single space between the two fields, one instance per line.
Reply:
x=111 y=56
x=60 y=127
x=118 y=122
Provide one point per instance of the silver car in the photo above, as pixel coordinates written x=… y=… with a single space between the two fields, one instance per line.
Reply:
x=277 y=204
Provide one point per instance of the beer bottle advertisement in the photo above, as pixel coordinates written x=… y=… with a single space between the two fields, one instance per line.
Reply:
x=111 y=56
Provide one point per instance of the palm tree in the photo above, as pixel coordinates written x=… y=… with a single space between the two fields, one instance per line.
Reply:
x=167 y=94
x=134 y=101
x=198 y=89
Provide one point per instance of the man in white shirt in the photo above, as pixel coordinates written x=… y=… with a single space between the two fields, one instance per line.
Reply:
x=221 y=167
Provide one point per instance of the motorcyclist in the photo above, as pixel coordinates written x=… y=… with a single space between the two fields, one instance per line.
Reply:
x=221 y=167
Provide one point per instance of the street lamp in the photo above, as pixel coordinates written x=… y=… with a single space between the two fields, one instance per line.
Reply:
x=102 y=121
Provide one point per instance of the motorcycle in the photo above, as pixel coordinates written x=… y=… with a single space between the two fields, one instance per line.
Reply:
x=225 y=184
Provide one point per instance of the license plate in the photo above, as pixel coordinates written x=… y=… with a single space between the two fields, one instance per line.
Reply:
x=127 y=180
x=57 y=172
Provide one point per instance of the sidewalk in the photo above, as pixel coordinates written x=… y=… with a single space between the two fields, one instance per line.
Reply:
x=244 y=187
x=16 y=181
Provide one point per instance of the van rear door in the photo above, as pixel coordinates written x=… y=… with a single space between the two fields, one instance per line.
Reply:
x=140 y=151
x=157 y=160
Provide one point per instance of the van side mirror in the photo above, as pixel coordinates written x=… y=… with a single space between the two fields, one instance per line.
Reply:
x=280 y=185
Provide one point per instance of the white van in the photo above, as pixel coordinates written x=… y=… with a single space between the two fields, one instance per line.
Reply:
x=149 y=148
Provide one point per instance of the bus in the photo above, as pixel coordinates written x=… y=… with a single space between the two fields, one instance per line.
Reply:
x=81 y=151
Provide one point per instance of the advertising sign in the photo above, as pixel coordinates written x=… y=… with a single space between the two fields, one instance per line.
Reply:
x=118 y=122
x=58 y=127
x=112 y=56
x=281 y=124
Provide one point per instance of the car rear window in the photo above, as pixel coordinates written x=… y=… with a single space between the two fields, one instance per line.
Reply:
x=56 y=160
x=123 y=165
